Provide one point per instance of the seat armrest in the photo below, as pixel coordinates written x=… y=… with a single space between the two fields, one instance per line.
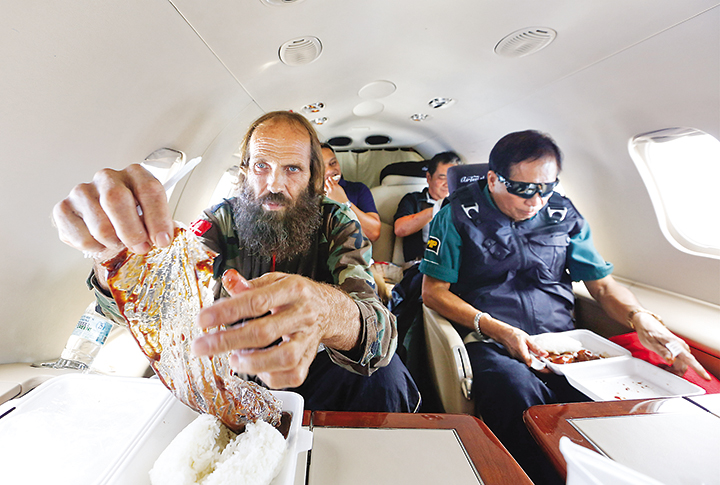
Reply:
x=449 y=363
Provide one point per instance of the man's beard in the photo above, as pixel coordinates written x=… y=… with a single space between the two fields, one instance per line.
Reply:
x=284 y=234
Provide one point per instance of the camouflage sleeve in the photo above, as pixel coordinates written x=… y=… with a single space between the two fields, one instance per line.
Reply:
x=105 y=301
x=350 y=255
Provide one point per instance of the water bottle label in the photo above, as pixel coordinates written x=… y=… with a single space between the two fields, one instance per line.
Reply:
x=93 y=329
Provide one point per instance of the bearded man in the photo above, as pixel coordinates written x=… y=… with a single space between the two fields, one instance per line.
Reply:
x=290 y=260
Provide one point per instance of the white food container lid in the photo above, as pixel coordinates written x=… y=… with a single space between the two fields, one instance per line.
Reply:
x=91 y=429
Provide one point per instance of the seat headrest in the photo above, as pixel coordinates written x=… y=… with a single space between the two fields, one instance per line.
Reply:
x=406 y=169
x=459 y=175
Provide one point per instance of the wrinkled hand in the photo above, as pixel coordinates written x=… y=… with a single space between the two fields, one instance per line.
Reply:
x=100 y=218
x=334 y=191
x=521 y=345
x=294 y=317
x=654 y=335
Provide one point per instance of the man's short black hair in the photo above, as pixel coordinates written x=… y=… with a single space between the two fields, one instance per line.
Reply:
x=442 y=158
x=328 y=146
x=520 y=146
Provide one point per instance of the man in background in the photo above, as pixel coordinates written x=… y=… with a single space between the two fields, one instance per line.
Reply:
x=415 y=210
x=501 y=258
x=412 y=222
x=355 y=195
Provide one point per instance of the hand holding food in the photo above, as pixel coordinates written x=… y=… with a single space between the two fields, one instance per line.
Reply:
x=160 y=294
x=101 y=217
x=277 y=306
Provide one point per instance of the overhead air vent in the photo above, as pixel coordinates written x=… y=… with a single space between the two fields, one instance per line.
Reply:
x=525 y=42
x=340 y=141
x=299 y=52
x=377 y=140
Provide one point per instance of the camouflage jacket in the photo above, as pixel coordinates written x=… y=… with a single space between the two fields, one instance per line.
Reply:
x=339 y=255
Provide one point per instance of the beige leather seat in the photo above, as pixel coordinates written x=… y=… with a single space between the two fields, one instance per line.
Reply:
x=387 y=196
x=449 y=364
x=448 y=360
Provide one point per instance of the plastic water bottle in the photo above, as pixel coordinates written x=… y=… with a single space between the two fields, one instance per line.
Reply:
x=86 y=340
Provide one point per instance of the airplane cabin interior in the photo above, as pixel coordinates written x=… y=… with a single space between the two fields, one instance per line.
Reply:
x=88 y=85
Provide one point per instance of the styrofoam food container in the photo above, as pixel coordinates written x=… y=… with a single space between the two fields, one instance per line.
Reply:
x=627 y=378
x=91 y=429
x=590 y=341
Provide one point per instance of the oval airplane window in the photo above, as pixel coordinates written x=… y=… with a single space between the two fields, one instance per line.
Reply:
x=681 y=169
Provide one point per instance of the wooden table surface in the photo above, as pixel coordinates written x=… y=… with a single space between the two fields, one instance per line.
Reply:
x=550 y=422
x=492 y=461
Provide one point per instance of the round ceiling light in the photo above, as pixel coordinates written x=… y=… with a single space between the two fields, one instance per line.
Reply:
x=319 y=121
x=525 y=42
x=436 y=103
x=368 y=108
x=377 y=89
x=313 y=107
x=419 y=117
x=298 y=52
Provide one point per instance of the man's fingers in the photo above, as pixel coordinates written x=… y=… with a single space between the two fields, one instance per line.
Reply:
x=266 y=293
x=121 y=193
x=257 y=333
x=282 y=366
x=694 y=364
x=73 y=231
x=82 y=223
x=535 y=349
x=152 y=199
x=234 y=283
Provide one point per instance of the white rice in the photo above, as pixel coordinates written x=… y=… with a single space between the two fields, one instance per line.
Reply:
x=557 y=343
x=206 y=452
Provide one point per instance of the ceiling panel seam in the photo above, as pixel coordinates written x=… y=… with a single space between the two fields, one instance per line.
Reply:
x=212 y=51
x=634 y=44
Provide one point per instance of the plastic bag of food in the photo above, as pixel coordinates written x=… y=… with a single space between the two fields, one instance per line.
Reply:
x=160 y=294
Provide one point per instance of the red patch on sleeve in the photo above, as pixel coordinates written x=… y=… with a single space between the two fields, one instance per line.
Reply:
x=200 y=227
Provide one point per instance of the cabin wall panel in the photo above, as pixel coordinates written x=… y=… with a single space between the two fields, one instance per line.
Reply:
x=667 y=80
x=93 y=84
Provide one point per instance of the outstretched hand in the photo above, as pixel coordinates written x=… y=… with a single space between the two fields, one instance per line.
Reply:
x=275 y=307
x=654 y=336
x=100 y=218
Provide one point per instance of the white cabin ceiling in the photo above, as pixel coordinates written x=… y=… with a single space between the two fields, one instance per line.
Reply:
x=415 y=44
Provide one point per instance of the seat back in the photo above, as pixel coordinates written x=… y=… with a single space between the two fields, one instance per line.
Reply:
x=459 y=175
x=387 y=197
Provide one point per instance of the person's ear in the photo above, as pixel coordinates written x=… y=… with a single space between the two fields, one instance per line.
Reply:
x=491 y=179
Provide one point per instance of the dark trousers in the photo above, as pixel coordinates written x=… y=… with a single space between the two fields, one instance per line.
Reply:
x=329 y=387
x=504 y=388
x=406 y=305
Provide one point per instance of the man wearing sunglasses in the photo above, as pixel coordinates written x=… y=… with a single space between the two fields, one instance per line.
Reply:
x=500 y=262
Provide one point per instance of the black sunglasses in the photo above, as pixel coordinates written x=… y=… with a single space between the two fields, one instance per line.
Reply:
x=528 y=190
